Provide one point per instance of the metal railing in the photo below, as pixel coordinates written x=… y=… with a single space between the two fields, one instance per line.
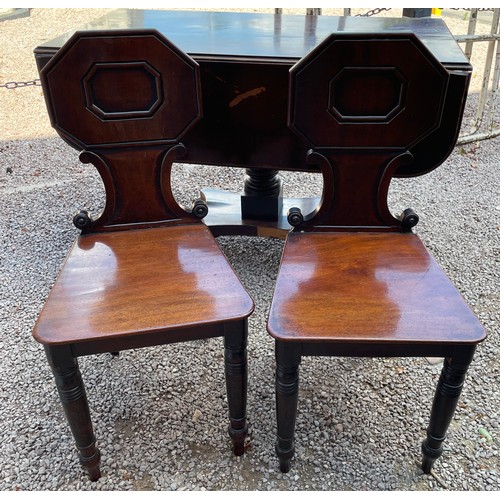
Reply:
x=484 y=125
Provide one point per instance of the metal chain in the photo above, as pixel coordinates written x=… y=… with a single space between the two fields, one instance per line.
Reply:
x=373 y=12
x=16 y=85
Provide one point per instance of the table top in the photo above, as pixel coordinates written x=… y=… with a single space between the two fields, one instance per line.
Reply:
x=229 y=35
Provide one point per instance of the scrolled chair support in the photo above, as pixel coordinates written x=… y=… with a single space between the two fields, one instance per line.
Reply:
x=295 y=217
x=409 y=219
x=200 y=208
x=82 y=220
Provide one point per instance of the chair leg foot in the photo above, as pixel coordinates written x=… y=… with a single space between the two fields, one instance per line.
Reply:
x=238 y=449
x=91 y=466
x=74 y=401
x=285 y=465
x=94 y=473
x=427 y=464
x=238 y=439
x=90 y=459
x=446 y=398
x=287 y=393
x=432 y=449
x=235 y=362
x=285 y=450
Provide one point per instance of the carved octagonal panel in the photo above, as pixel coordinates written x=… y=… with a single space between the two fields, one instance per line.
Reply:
x=115 y=91
x=367 y=91
x=121 y=87
x=346 y=102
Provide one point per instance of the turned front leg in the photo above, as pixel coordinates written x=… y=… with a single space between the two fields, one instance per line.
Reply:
x=236 y=371
x=287 y=392
x=74 y=400
x=445 y=402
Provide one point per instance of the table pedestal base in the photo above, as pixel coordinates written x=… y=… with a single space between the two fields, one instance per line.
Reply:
x=262 y=197
x=225 y=215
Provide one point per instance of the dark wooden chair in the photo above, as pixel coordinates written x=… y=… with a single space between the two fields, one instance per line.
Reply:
x=354 y=279
x=145 y=272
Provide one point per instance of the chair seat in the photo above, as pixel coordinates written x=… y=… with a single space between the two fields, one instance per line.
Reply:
x=141 y=281
x=366 y=287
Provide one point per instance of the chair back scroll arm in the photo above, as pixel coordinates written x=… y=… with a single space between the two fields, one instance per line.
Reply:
x=125 y=201
x=323 y=217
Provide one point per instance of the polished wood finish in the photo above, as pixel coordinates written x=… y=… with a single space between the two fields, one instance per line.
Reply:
x=354 y=280
x=244 y=65
x=360 y=143
x=326 y=108
x=144 y=272
x=132 y=141
x=233 y=36
x=359 y=100
x=141 y=282
x=123 y=98
x=367 y=287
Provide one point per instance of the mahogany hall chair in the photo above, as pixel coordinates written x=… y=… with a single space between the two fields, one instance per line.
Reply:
x=355 y=280
x=145 y=272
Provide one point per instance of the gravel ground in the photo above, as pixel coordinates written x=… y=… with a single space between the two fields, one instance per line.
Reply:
x=360 y=423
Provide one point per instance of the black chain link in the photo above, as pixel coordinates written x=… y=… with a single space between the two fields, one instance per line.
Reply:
x=373 y=12
x=16 y=85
